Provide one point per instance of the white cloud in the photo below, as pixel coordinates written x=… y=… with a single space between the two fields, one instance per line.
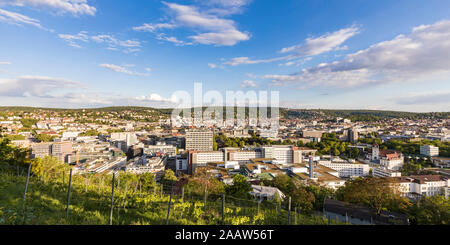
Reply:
x=247 y=61
x=227 y=3
x=18 y=19
x=212 y=66
x=149 y=27
x=290 y=63
x=164 y=37
x=422 y=55
x=5 y=63
x=72 y=39
x=75 y=7
x=223 y=38
x=225 y=7
x=112 y=43
x=157 y=98
x=311 y=47
x=322 y=44
x=122 y=69
x=210 y=27
x=248 y=84
x=37 y=86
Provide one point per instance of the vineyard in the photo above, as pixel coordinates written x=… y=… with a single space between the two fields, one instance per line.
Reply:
x=92 y=202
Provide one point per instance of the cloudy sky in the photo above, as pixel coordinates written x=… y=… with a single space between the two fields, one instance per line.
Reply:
x=353 y=54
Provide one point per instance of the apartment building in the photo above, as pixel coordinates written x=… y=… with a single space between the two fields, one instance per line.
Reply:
x=199 y=140
x=353 y=135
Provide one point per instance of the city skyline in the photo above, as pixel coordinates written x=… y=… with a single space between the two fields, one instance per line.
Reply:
x=90 y=54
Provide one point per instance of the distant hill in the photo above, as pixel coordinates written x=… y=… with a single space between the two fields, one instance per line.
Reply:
x=354 y=115
x=362 y=115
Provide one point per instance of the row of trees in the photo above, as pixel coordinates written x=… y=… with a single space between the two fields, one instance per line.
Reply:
x=408 y=147
x=221 y=141
x=330 y=144
x=413 y=148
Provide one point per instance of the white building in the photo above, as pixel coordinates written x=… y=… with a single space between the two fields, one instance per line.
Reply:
x=392 y=160
x=69 y=135
x=425 y=185
x=108 y=165
x=286 y=154
x=383 y=172
x=429 y=150
x=170 y=150
x=204 y=157
x=230 y=165
x=244 y=156
x=347 y=169
x=146 y=165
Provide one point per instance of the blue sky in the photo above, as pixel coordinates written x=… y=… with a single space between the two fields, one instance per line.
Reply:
x=353 y=54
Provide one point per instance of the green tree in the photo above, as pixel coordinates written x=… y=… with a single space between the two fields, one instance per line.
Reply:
x=378 y=193
x=168 y=177
x=90 y=132
x=282 y=182
x=354 y=153
x=28 y=122
x=13 y=156
x=433 y=210
x=240 y=187
x=44 y=137
x=147 y=181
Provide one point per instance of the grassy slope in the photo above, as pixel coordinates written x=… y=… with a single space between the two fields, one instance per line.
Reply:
x=46 y=203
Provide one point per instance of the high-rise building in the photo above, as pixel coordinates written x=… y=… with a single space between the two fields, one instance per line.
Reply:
x=429 y=150
x=353 y=135
x=199 y=140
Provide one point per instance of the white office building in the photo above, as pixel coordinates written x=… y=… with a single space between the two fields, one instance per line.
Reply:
x=347 y=169
x=429 y=150
x=425 y=185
